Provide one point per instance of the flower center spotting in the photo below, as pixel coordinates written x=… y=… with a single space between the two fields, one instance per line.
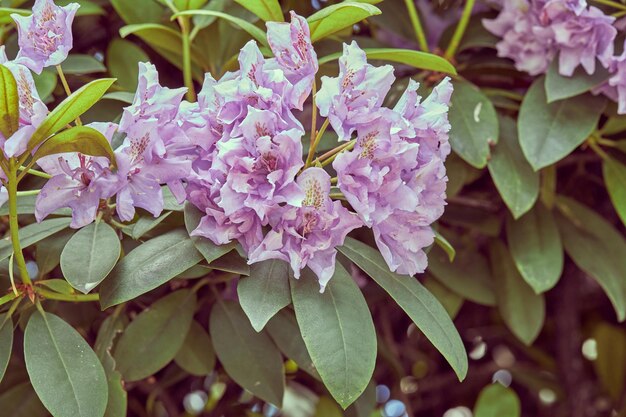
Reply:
x=368 y=145
x=47 y=33
x=138 y=147
x=313 y=194
x=347 y=80
x=26 y=98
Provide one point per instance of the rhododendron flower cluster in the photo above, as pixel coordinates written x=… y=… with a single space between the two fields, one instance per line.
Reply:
x=535 y=32
x=237 y=155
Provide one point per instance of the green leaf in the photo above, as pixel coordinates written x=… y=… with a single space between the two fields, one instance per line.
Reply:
x=559 y=87
x=417 y=59
x=513 y=176
x=536 y=247
x=327 y=407
x=57 y=285
x=365 y=404
x=497 y=401
x=468 y=275
x=9 y=103
x=248 y=357
x=118 y=399
x=265 y=292
x=450 y=300
x=443 y=243
x=6 y=12
x=69 y=109
x=610 y=365
x=231 y=262
x=615 y=179
x=285 y=332
x=422 y=307
x=45 y=83
x=209 y=250
x=252 y=30
x=338 y=331
x=267 y=10
x=148 y=266
x=22 y=401
x=33 y=233
x=146 y=223
x=196 y=355
x=474 y=124
x=138 y=11
x=123 y=58
x=83 y=139
x=6 y=342
x=64 y=371
x=80 y=64
x=48 y=251
x=152 y=340
x=339 y=16
x=523 y=311
x=90 y=255
x=549 y=132
x=189 y=4
x=596 y=248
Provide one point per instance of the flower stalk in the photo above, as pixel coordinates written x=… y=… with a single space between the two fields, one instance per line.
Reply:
x=417 y=25
x=66 y=87
x=13 y=223
x=184 y=23
x=460 y=30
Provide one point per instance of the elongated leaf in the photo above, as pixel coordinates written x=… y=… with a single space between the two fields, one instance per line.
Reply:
x=152 y=340
x=596 y=248
x=57 y=285
x=45 y=83
x=9 y=103
x=426 y=312
x=90 y=255
x=189 y=4
x=33 y=233
x=339 y=16
x=123 y=58
x=443 y=243
x=69 y=109
x=265 y=292
x=64 y=371
x=48 y=252
x=497 y=401
x=549 y=132
x=6 y=12
x=196 y=355
x=118 y=399
x=148 y=266
x=82 y=64
x=249 y=358
x=536 y=247
x=146 y=223
x=138 y=11
x=268 y=10
x=610 y=365
x=285 y=332
x=474 y=124
x=417 y=59
x=6 y=342
x=338 y=331
x=615 y=179
x=252 y=30
x=83 y=139
x=450 y=300
x=21 y=401
x=523 y=311
x=559 y=87
x=209 y=250
x=513 y=176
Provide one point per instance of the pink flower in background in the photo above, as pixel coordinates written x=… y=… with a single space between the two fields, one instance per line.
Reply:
x=308 y=235
x=350 y=99
x=615 y=87
x=45 y=37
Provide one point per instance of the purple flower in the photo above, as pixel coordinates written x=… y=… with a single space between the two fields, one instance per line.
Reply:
x=615 y=86
x=45 y=37
x=78 y=182
x=291 y=44
x=308 y=235
x=351 y=98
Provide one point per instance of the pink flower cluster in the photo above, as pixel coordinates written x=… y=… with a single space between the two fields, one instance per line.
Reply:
x=237 y=155
x=535 y=32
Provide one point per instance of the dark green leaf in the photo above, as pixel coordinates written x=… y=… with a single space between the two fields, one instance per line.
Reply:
x=90 y=255
x=450 y=300
x=149 y=265
x=6 y=342
x=249 y=358
x=536 y=247
x=443 y=243
x=64 y=371
x=209 y=250
x=9 y=103
x=610 y=365
x=146 y=223
x=57 y=285
x=252 y=30
x=69 y=109
x=338 y=331
x=45 y=83
x=596 y=248
x=615 y=179
x=152 y=340
x=48 y=251
x=83 y=139
x=123 y=58
x=265 y=292
x=422 y=307
x=33 y=233
x=339 y=16
x=474 y=124
x=138 y=11
x=268 y=10
x=196 y=355
x=514 y=178
x=22 y=401
x=549 y=132
x=523 y=311
x=497 y=401
x=110 y=328
x=82 y=64
x=559 y=87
